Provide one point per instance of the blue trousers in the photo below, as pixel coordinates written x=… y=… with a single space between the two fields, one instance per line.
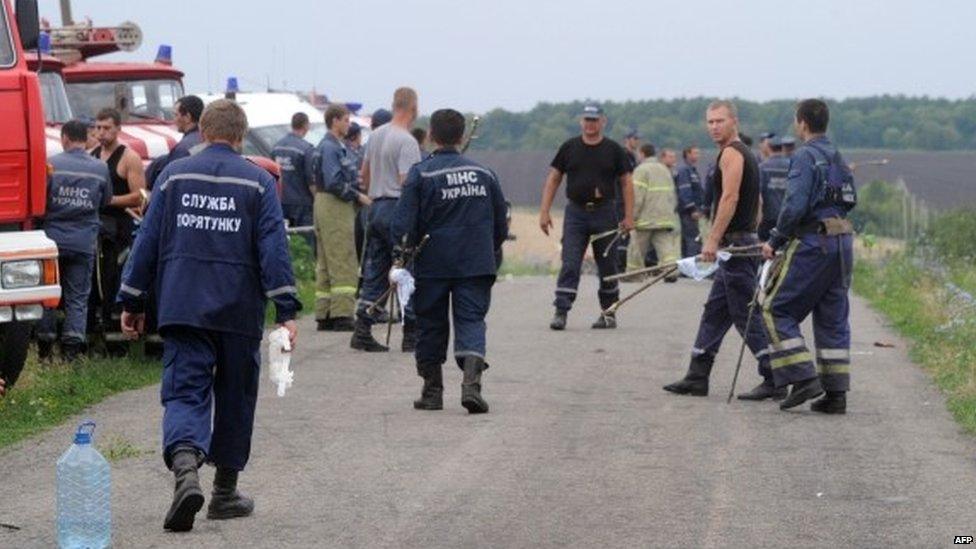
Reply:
x=209 y=391
x=469 y=300
x=815 y=278
x=579 y=225
x=378 y=260
x=689 y=236
x=76 y=283
x=300 y=215
x=733 y=288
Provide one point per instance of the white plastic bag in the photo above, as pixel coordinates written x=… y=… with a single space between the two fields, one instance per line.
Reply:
x=698 y=270
x=404 y=287
x=279 y=354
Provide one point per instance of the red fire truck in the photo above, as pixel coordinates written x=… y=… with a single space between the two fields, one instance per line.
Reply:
x=28 y=259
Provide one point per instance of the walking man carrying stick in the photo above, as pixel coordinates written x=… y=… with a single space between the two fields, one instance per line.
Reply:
x=736 y=218
x=598 y=174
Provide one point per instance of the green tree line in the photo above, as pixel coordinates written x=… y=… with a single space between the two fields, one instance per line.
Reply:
x=882 y=122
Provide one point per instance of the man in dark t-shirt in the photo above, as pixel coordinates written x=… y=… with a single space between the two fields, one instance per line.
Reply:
x=734 y=222
x=597 y=174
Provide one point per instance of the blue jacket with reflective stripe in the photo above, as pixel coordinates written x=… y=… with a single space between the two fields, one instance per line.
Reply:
x=459 y=203
x=76 y=190
x=296 y=158
x=212 y=247
x=338 y=170
x=773 y=173
x=689 y=187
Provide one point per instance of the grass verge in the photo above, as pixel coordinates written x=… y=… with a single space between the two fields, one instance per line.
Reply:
x=48 y=394
x=940 y=326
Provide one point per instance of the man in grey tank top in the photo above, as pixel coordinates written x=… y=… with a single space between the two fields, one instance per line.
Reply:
x=391 y=152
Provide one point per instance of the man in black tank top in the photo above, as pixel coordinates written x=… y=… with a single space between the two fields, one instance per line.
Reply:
x=736 y=209
x=115 y=234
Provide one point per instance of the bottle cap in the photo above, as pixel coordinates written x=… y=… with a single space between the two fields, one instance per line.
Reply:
x=83 y=436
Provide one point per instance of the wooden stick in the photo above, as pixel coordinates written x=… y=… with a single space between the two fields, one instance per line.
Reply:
x=613 y=308
x=736 y=251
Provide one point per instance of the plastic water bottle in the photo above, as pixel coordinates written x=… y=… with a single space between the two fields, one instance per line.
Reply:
x=84 y=494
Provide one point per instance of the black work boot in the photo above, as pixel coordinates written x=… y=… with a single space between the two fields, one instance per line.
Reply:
x=362 y=339
x=342 y=324
x=558 y=321
x=802 y=392
x=432 y=395
x=225 y=501
x=764 y=390
x=45 y=349
x=409 y=343
x=835 y=402
x=324 y=324
x=71 y=352
x=471 y=385
x=187 y=496
x=695 y=382
x=605 y=322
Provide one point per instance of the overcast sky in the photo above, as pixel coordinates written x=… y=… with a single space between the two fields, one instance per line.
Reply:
x=515 y=53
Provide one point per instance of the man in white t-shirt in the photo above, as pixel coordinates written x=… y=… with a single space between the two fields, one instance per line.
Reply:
x=391 y=152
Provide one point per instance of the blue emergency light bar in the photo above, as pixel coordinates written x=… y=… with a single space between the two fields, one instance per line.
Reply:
x=164 y=55
x=232 y=86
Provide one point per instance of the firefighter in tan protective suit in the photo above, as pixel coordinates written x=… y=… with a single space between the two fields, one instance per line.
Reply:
x=654 y=213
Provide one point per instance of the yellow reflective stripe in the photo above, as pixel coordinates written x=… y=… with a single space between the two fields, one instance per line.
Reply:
x=833 y=369
x=344 y=290
x=792 y=360
x=767 y=313
x=659 y=188
x=322 y=295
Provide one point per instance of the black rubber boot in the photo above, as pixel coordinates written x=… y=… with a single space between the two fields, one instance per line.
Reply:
x=835 y=402
x=71 y=352
x=342 y=324
x=558 y=321
x=802 y=392
x=764 y=390
x=605 y=322
x=362 y=339
x=409 y=343
x=324 y=324
x=471 y=386
x=432 y=395
x=226 y=502
x=187 y=496
x=45 y=349
x=695 y=382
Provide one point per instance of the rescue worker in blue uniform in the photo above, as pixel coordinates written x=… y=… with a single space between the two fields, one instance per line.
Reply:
x=78 y=187
x=690 y=199
x=213 y=248
x=772 y=181
x=736 y=214
x=186 y=115
x=815 y=241
x=598 y=176
x=460 y=205
x=296 y=157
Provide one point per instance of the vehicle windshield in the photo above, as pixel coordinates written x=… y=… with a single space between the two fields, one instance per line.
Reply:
x=6 y=41
x=271 y=134
x=135 y=99
x=54 y=98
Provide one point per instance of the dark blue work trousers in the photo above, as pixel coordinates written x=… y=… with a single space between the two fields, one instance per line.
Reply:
x=815 y=278
x=300 y=215
x=733 y=288
x=76 y=283
x=378 y=260
x=209 y=391
x=690 y=246
x=579 y=224
x=469 y=299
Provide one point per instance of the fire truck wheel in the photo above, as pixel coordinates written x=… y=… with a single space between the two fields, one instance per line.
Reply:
x=14 y=338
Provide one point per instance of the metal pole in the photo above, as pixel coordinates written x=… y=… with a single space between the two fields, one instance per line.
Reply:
x=745 y=334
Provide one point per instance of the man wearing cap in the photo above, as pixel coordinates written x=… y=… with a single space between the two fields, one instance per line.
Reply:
x=632 y=143
x=690 y=201
x=772 y=182
x=766 y=145
x=598 y=176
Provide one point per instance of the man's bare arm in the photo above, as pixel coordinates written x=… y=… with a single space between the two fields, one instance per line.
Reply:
x=131 y=168
x=364 y=175
x=627 y=185
x=553 y=180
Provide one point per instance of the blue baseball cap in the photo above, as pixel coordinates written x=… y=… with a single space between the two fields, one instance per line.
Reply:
x=787 y=142
x=592 y=110
x=767 y=135
x=380 y=117
x=632 y=134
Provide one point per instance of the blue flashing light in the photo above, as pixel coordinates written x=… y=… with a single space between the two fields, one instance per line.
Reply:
x=354 y=107
x=44 y=43
x=165 y=54
x=232 y=86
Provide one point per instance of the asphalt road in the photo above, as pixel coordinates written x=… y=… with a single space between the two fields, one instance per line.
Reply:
x=582 y=448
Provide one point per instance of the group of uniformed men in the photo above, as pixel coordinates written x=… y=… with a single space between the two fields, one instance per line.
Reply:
x=788 y=208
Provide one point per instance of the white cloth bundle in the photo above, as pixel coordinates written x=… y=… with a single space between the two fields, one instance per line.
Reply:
x=404 y=287
x=279 y=354
x=698 y=270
